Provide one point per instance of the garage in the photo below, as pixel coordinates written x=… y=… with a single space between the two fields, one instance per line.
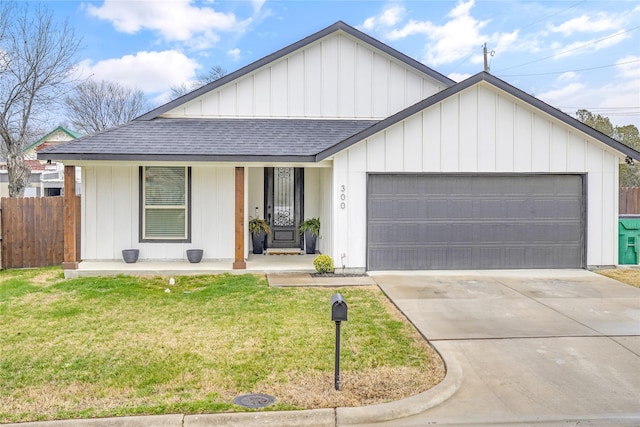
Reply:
x=475 y=221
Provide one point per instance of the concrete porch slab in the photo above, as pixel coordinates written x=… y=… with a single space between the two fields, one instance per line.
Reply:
x=256 y=264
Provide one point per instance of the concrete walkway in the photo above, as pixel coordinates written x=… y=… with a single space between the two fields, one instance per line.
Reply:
x=283 y=280
x=535 y=347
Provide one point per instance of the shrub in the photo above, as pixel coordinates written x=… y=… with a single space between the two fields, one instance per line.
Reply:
x=323 y=264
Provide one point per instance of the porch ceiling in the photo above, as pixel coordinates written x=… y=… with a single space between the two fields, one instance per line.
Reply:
x=211 y=140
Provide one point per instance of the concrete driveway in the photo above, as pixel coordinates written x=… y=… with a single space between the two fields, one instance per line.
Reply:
x=541 y=347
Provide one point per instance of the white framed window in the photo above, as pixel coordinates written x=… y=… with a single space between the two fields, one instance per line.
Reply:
x=165 y=196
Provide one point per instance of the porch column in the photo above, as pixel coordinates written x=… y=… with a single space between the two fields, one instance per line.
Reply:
x=239 y=262
x=71 y=220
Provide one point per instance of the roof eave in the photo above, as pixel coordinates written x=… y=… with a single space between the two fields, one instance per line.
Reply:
x=173 y=158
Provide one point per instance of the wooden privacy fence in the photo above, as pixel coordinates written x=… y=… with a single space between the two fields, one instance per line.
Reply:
x=33 y=231
x=629 y=201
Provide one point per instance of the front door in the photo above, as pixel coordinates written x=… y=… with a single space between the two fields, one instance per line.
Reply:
x=283 y=205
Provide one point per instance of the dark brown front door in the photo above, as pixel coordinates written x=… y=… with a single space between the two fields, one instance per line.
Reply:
x=283 y=205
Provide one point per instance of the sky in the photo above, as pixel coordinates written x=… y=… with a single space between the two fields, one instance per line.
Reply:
x=570 y=54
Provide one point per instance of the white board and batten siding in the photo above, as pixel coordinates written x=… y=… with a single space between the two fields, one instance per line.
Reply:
x=110 y=214
x=479 y=130
x=335 y=77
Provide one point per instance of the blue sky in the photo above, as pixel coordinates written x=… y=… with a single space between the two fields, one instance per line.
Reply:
x=570 y=54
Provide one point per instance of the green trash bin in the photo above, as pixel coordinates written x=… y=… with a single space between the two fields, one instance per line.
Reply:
x=628 y=240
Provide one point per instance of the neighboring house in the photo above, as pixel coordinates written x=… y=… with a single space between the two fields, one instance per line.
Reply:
x=33 y=188
x=46 y=177
x=405 y=168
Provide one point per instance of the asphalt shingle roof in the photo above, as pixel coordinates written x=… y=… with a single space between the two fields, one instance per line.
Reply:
x=211 y=140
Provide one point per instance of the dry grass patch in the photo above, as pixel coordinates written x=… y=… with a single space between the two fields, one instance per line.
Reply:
x=630 y=276
x=98 y=347
x=367 y=387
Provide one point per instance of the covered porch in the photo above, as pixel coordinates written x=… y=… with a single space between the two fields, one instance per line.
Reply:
x=226 y=241
x=280 y=270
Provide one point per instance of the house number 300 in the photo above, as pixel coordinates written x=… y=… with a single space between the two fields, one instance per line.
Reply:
x=343 y=197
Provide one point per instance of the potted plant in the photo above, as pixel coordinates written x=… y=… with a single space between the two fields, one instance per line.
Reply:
x=258 y=229
x=311 y=229
x=130 y=256
x=194 y=255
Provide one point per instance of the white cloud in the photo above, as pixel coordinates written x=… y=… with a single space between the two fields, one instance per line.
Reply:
x=234 y=54
x=560 y=96
x=619 y=96
x=457 y=38
x=629 y=67
x=585 y=23
x=174 y=20
x=589 y=46
x=623 y=91
x=390 y=16
x=458 y=77
x=567 y=77
x=257 y=5
x=147 y=71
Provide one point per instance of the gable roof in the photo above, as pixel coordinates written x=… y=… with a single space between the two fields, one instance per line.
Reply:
x=338 y=26
x=459 y=87
x=170 y=139
x=303 y=140
x=72 y=134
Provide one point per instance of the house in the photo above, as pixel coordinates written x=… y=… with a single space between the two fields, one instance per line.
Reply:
x=405 y=168
x=33 y=187
x=46 y=178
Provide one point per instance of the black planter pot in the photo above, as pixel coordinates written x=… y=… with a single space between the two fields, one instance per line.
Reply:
x=258 y=242
x=310 y=242
x=130 y=255
x=194 y=255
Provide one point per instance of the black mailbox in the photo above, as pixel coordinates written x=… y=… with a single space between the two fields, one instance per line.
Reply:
x=338 y=308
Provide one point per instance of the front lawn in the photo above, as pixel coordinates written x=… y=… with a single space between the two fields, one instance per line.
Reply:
x=96 y=347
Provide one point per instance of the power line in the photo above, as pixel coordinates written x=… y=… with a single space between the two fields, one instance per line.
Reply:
x=606 y=113
x=569 y=71
x=553 y=14
x=454 y=68
x=603 y=108
x=575 y=48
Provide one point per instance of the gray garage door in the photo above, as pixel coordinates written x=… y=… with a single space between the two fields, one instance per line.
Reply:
x=424 y=221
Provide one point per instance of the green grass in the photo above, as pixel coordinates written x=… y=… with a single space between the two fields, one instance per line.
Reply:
x=94 y=347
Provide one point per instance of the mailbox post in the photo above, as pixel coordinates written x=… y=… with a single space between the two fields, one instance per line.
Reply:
x=338 y=314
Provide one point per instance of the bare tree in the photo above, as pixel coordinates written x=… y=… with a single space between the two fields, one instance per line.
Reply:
x=216 y=72
x=96 y=106
x=38 y=56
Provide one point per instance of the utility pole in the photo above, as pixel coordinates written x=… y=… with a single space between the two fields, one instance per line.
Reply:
x=486 y=62
x=486 y=57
